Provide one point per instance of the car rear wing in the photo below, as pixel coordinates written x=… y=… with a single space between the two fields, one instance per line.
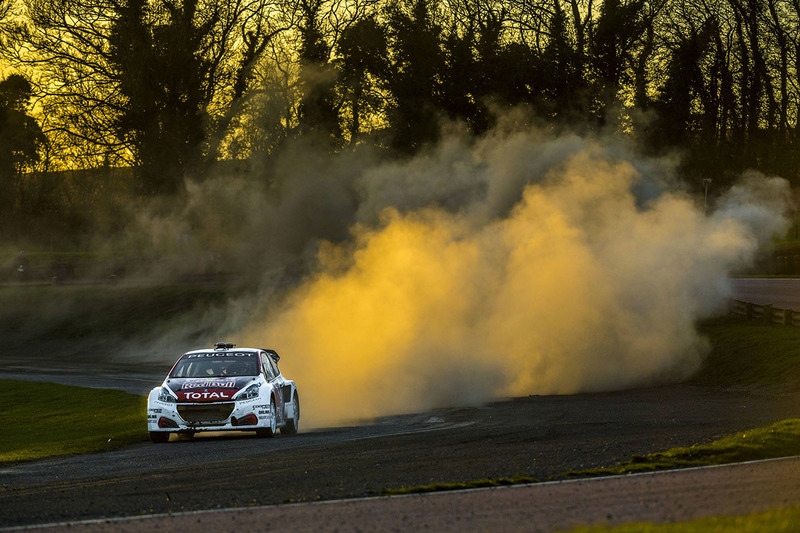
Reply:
x=273 y=354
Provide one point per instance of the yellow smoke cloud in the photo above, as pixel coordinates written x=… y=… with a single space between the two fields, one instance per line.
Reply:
x=581 y=286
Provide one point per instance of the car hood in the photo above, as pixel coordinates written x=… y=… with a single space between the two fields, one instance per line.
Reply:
x=208 y=389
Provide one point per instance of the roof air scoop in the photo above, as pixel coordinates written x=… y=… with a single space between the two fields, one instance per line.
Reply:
x=224 y=346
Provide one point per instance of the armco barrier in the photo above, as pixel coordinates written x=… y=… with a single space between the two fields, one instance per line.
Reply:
x=765 y=313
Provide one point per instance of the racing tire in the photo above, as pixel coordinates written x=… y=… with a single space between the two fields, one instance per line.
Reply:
x=272 y=429
x=293 y=424
x=159 y=437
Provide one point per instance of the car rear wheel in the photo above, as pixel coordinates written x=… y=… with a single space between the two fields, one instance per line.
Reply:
x=269 y=431
x=293 y=424
x=159 y=436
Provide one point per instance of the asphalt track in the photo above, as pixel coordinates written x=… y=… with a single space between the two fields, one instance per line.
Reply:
x=663 y=497
x=782 y=293
x=539 y=436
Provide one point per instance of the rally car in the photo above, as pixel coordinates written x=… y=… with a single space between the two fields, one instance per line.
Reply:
x=223 y=389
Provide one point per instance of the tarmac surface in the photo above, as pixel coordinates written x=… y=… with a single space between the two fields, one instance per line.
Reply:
x=540 y=437
x=665 y=497
x=537 y=436
x=782 y=293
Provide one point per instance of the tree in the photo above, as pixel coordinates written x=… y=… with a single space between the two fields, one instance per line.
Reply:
x=480 y=69
x=166 y=86
x=684 y=83
x=363 y=52
x=162 y=79
x=459 y=88
x=318 y=113
x=5 y=18
x=21 y=139
x=415 y=78
x=782 y=37
x=153 y=84
x=5 y=9
x=622 y=33
x=563 y=80
x=756 y=83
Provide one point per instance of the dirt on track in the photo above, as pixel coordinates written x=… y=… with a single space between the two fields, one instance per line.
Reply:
x=538 y=436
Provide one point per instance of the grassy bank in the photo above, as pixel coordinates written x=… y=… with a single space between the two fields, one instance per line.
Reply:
x=80 y=324
x=778 y=521
x=781 y=439
x=43 y=420
x=47 y=313
x=750 y=354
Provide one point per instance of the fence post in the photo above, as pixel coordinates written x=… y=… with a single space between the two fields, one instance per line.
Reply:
x=787 y=317
x=768 y=314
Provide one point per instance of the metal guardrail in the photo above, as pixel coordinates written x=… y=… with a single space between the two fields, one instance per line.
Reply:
x=766 y=314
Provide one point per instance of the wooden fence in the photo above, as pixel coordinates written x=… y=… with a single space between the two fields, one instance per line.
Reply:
x=765 y=313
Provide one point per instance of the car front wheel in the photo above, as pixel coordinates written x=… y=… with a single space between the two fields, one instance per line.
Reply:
x=270 y=431
x=159 y=436
x=293 y=424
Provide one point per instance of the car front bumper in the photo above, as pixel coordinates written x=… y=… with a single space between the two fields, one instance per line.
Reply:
x=207 y=416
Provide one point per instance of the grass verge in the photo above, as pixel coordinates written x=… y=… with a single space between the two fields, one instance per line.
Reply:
x=749 y=354
x=45 y=419
x=477 y=484
x=781 y=439
x=775 y=521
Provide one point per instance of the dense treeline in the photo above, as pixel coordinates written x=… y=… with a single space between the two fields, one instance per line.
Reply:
x=169 y=87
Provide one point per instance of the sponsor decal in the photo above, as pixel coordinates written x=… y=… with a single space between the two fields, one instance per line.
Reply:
x=205 y=395
x=152 y=417
x=209 y=384
x=262 y=406
x=154 y=410
x=202 y=355
x=264 y=412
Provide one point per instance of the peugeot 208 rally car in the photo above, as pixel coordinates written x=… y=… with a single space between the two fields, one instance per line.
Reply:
x=223 y=389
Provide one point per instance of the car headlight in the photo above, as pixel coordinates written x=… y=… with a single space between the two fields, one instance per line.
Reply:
x=249 y=393
x=165 y=396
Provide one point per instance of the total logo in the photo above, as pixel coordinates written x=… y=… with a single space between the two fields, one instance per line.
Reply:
x=207 y=396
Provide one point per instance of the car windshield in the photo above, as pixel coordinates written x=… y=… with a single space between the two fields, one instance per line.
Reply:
x=216 y=364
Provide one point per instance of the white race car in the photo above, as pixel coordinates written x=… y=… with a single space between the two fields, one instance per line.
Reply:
x=223 y=389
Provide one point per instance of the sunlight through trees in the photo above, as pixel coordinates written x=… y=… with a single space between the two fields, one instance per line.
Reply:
x=168 y=87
